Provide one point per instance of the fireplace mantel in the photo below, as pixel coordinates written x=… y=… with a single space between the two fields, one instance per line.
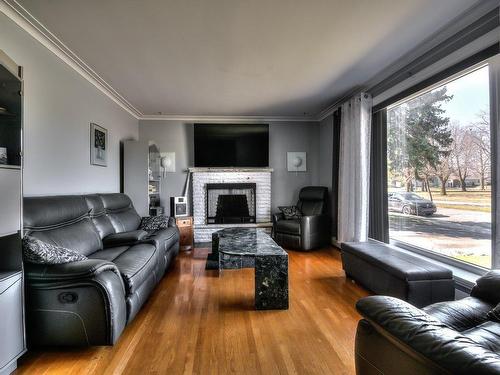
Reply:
x=227 y=169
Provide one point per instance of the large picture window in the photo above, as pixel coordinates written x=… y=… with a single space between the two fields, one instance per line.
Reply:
x=439 y=169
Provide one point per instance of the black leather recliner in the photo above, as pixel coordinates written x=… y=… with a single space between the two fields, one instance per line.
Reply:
x=454 y=337
x=90 y=302
x=312 y=230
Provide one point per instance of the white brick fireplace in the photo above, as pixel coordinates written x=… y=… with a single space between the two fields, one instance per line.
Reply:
x=200 y=177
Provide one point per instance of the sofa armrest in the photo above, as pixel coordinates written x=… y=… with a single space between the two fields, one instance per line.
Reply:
x=277 y=217
x=83 y=269
x=75 y=304
x=124 y=238
x=171 y=222
x=315 y=223
x=412 y=327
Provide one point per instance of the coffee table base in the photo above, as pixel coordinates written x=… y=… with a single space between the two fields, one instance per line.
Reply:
x=271 y=282
x=271 y=273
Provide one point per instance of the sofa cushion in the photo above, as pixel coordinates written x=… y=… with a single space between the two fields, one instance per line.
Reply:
x=121 y=212
x=167 y=235
x=487 y=335
x=462 y=314
x=313 y=200
x=81 y=237
x=39 y=252
x=46 y=212
x=124 y=238
x=98 y=215
x=109 y=254
x=398 y=263
x=135 y=263
x=61 y=221
x=494 y=313
x=288 y=226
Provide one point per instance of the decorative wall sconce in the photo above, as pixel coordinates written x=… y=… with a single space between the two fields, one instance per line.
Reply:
x=296 y=161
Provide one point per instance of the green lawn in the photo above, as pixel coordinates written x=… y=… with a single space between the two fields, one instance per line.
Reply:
x=454 y=195
x=479 y=260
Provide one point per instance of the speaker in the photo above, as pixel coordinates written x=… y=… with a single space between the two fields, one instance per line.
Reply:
x=178 y=206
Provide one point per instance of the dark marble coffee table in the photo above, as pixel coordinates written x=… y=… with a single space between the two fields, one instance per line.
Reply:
x=234 y=248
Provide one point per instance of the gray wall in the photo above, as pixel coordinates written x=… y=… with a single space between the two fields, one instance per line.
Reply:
x=177 y=136
x=58 y=108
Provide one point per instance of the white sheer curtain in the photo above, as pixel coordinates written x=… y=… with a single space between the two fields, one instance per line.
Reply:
x=354 y=172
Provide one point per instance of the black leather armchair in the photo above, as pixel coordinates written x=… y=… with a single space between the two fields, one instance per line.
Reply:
x=312 y=230
x=455 y=337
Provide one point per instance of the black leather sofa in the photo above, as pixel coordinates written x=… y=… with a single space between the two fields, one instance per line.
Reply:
x=90 y=302
x=313 y=229
x=456 y=337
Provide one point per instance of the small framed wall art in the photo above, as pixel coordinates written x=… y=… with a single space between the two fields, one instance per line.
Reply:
x=98 y=145
x=296 y=161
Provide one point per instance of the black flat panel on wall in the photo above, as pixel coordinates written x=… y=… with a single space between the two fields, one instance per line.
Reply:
x=231 y=145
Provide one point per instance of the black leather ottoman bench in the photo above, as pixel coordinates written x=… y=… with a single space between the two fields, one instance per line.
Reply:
x=385 y=270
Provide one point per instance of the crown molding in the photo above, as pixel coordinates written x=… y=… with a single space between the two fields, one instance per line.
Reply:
x=17 y=13
x=228 y=119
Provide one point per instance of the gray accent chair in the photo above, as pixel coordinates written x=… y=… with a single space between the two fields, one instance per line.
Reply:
x=90 y=302
x=312 y=230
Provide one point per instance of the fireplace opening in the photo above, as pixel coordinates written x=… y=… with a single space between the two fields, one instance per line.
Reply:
x=230 y=203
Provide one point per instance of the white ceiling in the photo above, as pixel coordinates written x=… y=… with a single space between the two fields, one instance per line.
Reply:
x=240 y=57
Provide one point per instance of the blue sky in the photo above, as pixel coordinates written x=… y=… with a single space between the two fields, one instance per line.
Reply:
x=470 y=95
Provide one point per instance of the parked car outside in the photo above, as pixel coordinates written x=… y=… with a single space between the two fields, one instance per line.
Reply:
x=410 y=204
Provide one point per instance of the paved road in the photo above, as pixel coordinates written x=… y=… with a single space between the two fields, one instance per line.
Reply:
x=447 y=221
x=449 y=230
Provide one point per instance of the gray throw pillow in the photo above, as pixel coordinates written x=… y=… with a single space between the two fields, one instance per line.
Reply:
x=39 y=252
x=154 y=223
x=290 y=212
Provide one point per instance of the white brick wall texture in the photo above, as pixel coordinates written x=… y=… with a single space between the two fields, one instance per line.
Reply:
x=262 y=179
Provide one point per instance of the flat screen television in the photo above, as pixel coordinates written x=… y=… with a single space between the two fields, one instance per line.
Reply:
x=231 y=145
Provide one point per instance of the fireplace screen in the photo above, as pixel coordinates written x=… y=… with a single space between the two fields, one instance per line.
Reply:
x=230 y=203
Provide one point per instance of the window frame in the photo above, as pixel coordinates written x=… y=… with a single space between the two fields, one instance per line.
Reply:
x=486 y=57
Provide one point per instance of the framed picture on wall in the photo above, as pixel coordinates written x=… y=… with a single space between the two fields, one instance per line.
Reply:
x=98 y=145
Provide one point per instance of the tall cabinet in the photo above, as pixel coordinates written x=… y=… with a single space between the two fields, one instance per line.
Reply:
x=12 y=332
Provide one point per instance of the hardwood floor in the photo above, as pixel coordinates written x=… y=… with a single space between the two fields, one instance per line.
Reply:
x=198 y=323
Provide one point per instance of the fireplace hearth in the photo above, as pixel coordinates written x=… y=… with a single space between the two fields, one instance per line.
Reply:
x=231 y=203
